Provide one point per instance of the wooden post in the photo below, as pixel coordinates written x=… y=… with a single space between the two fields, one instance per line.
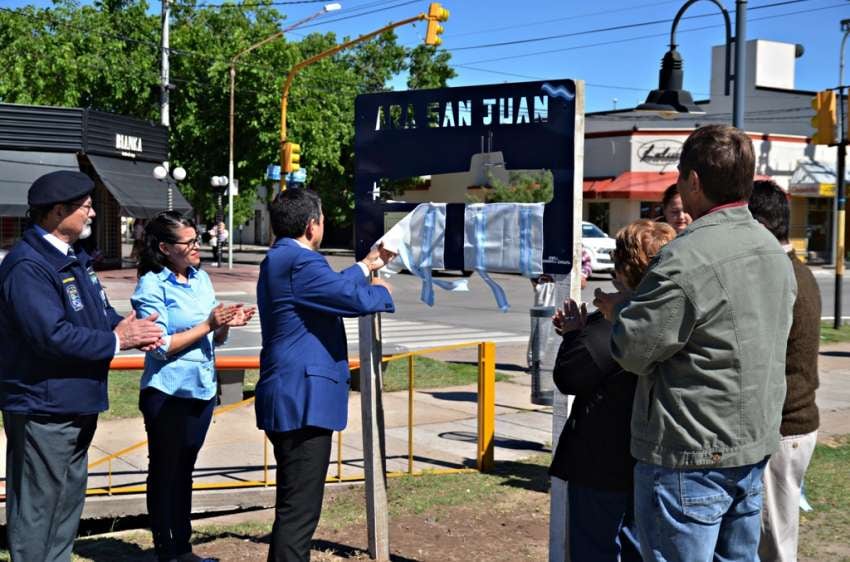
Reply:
x=559 y=543
x=374 y=448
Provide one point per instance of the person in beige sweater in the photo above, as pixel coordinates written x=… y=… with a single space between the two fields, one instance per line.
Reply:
x=783 y=477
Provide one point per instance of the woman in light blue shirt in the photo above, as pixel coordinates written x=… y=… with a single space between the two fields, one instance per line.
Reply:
x=178 y=388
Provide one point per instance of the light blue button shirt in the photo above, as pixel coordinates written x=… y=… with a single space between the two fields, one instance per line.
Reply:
x=191 y=372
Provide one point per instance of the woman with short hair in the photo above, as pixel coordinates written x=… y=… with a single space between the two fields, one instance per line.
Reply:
x=593 y=450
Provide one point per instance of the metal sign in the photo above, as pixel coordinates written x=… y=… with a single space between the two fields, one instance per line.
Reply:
x=412 y=133
x=298 y=176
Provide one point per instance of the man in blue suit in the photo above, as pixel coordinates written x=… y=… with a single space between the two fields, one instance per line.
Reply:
x=302 y=395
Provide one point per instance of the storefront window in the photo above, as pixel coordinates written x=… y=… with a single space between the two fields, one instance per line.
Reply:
x=819 y=229
x=599 y=214
x=650 y=210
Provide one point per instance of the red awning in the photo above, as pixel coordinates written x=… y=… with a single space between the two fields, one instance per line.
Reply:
x=591 y=186
x=645 y=186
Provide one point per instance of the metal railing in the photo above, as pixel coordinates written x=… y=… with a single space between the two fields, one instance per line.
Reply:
x=485 y=417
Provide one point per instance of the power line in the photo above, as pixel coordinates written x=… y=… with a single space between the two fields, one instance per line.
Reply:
x=343 y=18
x=620 y=27
x=639 y=37
x=553 y=20
x=628 y=39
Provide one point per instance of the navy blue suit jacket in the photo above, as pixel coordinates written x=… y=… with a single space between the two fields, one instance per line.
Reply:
x=304 y=376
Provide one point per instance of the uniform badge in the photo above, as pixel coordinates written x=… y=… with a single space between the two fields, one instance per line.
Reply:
x=74 y=296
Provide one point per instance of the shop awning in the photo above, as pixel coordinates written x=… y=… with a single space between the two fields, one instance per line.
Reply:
x=591 y=186
x=644 y=186
x=19 y=169
x=132 y=184
x=813 y=179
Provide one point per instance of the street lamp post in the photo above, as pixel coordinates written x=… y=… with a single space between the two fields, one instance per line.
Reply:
x=177 y=174
x=230 y=166
x=671 y=98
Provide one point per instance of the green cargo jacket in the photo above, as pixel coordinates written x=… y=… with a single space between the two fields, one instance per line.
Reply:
x=706 y=332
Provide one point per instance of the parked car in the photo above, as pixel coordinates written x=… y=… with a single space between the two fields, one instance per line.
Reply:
x=600 y=246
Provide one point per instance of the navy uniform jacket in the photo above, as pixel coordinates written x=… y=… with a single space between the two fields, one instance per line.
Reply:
x=304 y=377
x=56 y=337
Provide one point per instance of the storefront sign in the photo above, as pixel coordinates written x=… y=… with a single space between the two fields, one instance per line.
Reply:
x=661 y=152
x=128 y=145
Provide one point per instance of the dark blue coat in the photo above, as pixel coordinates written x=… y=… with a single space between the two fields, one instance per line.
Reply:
x=304 y=377
x=56 y=337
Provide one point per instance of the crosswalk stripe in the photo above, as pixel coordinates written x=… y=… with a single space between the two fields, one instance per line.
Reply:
x=417 y=335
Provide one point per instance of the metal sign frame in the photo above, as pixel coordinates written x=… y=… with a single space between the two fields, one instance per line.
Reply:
x=419 y=132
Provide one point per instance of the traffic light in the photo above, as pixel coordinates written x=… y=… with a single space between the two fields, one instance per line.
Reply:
x=824 y=119
x=291 y=157
x=436 y=13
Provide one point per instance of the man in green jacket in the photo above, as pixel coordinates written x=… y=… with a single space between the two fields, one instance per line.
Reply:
x=706 y=333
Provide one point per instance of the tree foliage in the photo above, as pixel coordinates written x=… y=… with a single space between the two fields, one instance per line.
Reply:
x=107 y=56
x=535 y=186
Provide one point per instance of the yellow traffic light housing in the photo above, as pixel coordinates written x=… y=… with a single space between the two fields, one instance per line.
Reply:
x=291 y=157
x=436 y=14
x=824 y=119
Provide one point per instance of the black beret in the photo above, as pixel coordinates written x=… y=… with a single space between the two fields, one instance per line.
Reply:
x=59 y=187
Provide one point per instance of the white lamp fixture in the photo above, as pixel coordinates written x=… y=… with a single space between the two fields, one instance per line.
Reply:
x=333 y=7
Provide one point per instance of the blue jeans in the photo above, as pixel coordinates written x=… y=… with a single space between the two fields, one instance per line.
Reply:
x=699 y=515
x=602 y=526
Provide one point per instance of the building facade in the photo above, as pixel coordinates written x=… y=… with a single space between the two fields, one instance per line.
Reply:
x=119 y=153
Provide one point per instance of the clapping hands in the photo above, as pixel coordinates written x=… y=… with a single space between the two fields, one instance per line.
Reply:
x=230 y=316
x=570 y=318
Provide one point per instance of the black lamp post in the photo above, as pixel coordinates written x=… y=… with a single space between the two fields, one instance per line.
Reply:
x=671 y=98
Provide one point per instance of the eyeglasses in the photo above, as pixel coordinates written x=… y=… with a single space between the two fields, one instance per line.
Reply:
x=192 y=242
x=87 y=207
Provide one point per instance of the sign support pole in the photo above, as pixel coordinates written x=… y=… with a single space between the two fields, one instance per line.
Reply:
x=374 y=443
x=559 y=517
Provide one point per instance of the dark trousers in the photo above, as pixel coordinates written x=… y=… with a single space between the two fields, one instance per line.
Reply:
x=46 y=475
x=176 y=430
x=302 y=459
x=602 y=526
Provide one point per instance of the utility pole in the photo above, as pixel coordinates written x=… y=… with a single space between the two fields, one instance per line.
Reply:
x=163 y=98
x=739 y=95
x=840 y=196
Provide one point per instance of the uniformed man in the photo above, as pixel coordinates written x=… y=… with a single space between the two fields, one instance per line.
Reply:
x=58 y=334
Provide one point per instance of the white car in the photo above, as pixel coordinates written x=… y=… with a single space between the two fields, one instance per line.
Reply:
x=600 y=246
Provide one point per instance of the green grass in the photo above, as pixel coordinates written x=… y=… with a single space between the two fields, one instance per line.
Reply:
x=123 y=395
x=431 y=373
x=828 y=491
x=829 y=335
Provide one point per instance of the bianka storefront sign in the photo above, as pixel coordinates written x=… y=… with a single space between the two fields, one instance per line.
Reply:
x=128 y=145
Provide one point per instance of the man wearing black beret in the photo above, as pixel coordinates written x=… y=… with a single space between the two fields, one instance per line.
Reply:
x=58 y=334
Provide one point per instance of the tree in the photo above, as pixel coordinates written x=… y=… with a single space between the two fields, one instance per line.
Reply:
x=106 y=56
x=523 y=187
x=429 y=68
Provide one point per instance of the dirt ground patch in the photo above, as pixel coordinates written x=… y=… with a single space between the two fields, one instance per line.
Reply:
x=509 y=531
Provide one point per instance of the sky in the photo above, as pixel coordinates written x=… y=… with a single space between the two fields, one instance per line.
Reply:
x=552 y=39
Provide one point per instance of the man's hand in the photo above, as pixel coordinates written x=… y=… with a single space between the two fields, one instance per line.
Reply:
x=378 y=258
x=606 y=302
x=135 y=333
x=377 y=281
